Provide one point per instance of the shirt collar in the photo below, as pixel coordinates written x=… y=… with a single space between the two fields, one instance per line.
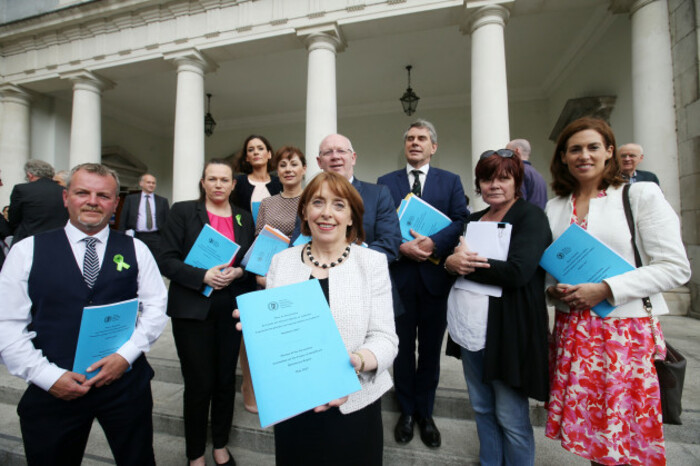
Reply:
x=74 y=235
x=424 y=169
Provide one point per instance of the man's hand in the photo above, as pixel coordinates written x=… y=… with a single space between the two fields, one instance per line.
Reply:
x=111 y=368
x=419 y=249
x=69 y=386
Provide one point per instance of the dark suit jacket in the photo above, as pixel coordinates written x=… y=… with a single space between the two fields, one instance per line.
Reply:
x=4 y=232
x=184 y=224
x=244 y=190
x=130 y=211
x=36 y=207
x=647 y=176
x=443 y=190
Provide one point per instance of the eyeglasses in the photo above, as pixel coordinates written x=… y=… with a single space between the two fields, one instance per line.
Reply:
x=628 y=156
x=330 y=152
x=505 y=153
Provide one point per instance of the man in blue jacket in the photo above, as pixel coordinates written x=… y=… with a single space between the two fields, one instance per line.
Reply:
x=422 y=282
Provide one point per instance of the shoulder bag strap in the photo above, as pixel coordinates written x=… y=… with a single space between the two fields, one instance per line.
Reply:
x=638 y=260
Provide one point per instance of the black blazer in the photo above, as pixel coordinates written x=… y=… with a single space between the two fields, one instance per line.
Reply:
x=185 y=221
x=36 y=207
x=130 y=211
x=244 y=190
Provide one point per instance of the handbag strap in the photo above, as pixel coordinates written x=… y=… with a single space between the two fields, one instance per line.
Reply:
x=638 y=262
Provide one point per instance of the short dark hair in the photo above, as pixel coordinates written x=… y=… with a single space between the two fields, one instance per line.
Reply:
x=243 y=165
x=341 y=187
x=563 y=182
x=490 y=167
x=286 y=153
x=202 y=193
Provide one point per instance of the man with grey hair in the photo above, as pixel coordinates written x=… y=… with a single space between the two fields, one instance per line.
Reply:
x=36 y=206
x=422 y=282
x=144 y=214
x=534 y=187
x=61 y=177
x=46 y=283
x=631 y=155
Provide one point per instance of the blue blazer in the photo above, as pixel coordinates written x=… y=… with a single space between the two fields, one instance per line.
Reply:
x=443 y=190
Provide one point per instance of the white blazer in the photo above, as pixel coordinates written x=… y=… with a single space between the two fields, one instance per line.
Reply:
x=361 y=304
x=665 y=263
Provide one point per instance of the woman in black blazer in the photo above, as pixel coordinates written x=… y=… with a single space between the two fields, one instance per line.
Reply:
x=255 y=183
x=205 y=335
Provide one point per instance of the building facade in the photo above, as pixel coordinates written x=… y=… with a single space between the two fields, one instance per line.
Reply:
x=124 y=82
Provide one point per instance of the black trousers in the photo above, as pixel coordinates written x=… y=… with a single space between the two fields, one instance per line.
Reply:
x=55 y=431
x=150 y=239
x=331 y=438
x=208 y=352
x=425 y=318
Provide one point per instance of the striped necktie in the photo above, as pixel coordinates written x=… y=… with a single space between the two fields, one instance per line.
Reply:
x=91 y=264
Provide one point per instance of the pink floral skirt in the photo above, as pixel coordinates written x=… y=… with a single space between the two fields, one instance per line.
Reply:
x=604 y=400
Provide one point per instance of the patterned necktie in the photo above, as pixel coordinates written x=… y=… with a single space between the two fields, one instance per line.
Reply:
x=416 y=188
x=91 y=264
x=149 y=214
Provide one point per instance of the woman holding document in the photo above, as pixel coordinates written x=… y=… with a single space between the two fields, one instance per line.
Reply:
x=604 y=403
x=502 y=340
x=355 y=281
x=205 y=335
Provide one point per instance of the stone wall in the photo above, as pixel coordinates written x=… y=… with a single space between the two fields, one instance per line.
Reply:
x=684 y=24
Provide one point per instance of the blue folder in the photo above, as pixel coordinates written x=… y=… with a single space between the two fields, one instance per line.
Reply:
x=579 y=257
x=297 y=357
x=211 y=248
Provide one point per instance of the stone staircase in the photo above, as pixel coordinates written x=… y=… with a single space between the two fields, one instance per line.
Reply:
x=252 y=445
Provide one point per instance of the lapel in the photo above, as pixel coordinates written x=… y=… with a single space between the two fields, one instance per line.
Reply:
x=201 y=211
x=358 y=185
x=402 y=181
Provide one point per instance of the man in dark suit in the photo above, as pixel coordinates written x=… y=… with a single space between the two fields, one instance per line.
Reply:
x=37 y=205
x=632 y=155
x=145 y=213
x=46 y=282
x=423 y=284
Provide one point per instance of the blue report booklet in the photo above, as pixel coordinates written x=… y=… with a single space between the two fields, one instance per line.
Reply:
x=421 y=217
x=103 y=330
x=254 y=209
x=269 y=242
x=579 y=257
x=297 y=357
x=211 y=248
x=301 y=239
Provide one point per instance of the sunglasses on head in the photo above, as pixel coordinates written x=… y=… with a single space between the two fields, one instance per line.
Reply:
x=505 y=153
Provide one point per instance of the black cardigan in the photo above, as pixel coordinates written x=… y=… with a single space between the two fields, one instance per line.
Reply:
x=516 y=350
x=244 y=190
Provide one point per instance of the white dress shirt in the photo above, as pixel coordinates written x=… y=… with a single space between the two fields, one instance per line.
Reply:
x=141 y=218
x=16 y=347
x=423 y=175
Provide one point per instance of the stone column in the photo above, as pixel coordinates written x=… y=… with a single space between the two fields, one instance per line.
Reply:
x=489 y=88
x=14 y=137
x=323 y=43
x=86 y=129
x=188 y=144
x=652 y=95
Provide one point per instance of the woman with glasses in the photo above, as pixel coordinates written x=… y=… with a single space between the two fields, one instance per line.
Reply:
x=605 y=404
x=502 y=340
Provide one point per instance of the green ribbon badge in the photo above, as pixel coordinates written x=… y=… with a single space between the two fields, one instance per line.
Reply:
x=238 y=219
x=119 y=260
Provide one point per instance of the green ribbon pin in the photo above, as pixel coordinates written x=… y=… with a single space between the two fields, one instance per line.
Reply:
x=119 y=260
x=238 y=219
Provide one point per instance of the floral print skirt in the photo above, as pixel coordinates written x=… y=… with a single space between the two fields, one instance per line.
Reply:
x=604 y=402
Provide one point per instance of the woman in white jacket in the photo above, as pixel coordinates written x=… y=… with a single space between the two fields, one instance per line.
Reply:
x=355 y=281
x=604 y=399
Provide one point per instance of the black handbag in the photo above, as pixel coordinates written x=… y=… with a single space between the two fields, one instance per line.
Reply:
x=670 y=370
